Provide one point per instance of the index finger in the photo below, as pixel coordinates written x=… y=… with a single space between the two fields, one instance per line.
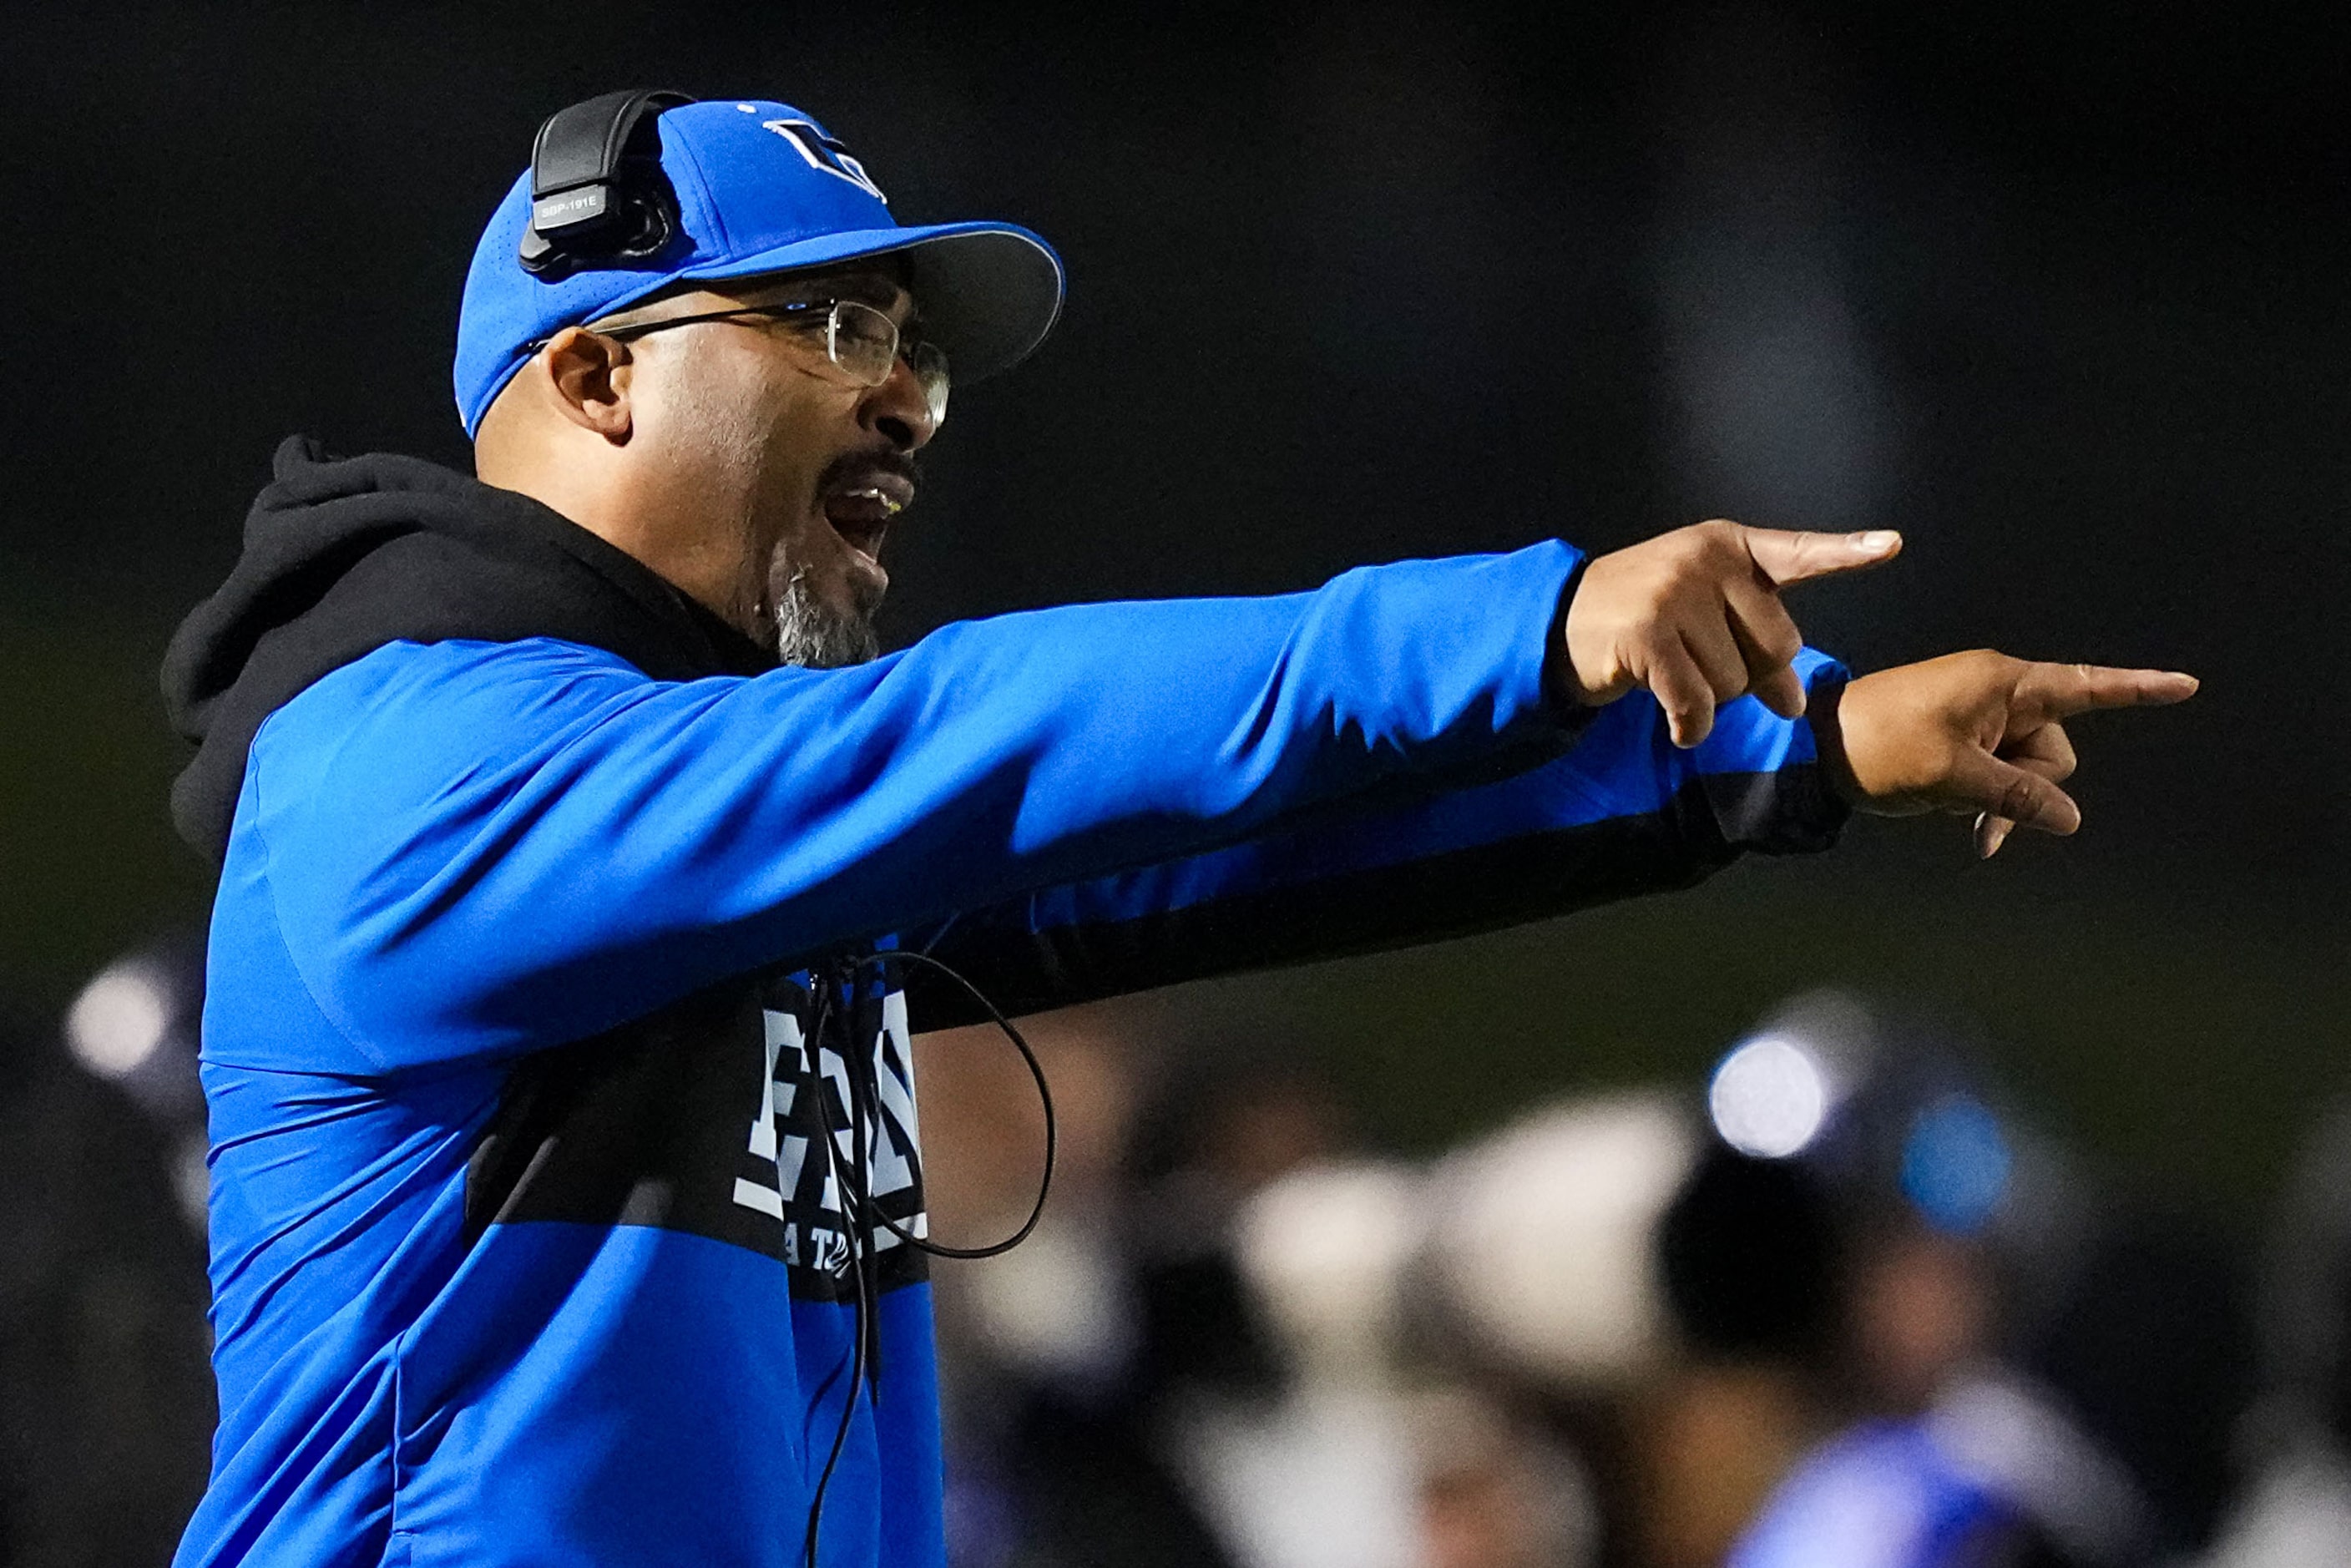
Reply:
x=2058 y=691
x=1785 y=559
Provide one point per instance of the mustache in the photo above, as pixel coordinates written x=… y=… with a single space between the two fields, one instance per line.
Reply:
x=855 y=464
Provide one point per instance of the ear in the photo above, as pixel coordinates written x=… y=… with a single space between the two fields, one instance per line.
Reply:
x=587 y=374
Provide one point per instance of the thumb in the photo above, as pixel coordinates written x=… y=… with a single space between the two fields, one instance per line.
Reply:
x=1786 y=558
x=1982 y=782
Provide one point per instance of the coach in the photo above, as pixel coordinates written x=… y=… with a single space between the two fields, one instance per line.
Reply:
x=567 y=1200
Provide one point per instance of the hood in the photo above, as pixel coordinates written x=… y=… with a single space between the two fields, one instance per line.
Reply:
x=344 y=555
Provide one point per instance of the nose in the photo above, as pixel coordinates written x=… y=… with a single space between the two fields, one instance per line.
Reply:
x=897 y=409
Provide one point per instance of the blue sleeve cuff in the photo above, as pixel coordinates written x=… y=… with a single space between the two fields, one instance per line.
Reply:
x=1763 y=776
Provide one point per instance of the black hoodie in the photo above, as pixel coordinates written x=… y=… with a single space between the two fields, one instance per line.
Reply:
x=342 y=556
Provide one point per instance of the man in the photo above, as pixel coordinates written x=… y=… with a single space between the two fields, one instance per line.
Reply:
x=566 y=1193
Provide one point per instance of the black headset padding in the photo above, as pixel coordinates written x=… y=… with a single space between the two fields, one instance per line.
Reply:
x=597 y=192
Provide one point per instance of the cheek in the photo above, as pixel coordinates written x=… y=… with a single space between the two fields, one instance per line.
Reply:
x=752 y=433
x=708 y=396
x=806 y=426
x=795 y=428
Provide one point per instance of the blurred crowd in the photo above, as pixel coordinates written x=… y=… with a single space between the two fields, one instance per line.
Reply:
x=1842 y=1303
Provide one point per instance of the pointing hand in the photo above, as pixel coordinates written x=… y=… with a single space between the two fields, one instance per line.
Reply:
x=1695 y=617
x=1976 y=733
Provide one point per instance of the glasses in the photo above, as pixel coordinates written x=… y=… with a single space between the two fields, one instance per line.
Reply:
x=861 y=341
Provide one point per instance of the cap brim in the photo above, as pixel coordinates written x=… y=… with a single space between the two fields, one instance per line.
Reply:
x=988 y=292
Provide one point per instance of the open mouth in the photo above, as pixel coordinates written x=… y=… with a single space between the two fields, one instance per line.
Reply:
x=860 y=506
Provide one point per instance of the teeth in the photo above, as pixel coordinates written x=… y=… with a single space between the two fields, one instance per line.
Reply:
x=875 y=492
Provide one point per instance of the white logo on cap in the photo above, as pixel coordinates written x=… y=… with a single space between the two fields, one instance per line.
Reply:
x=825 y=154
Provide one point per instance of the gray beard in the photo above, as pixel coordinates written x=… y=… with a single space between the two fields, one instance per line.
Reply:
x=816 y=637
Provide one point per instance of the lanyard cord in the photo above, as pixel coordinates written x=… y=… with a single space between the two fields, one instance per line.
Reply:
x=1044 y=1100
x=857 y=1204
x=822 y=983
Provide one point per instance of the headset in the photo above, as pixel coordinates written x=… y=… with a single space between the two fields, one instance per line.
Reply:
x=598 y=195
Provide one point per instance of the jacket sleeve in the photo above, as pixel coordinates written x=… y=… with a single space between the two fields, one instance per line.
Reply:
x=476 y=849
x=1623 y=812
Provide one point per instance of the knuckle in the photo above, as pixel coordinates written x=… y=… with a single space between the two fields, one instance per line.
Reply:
x=1988 y=667
x=1716 y=541
x=1691 y=548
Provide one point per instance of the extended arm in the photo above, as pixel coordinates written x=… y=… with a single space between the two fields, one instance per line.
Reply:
x=1624 y=812
x=476 y=849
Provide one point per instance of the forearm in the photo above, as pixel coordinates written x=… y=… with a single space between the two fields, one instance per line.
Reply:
x=1624 y=812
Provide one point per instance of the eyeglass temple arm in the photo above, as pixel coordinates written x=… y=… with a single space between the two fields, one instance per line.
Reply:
x=639 y=328
x=907 y=343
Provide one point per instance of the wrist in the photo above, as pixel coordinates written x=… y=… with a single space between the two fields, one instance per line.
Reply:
x=1824 y=711
x=1562 y=688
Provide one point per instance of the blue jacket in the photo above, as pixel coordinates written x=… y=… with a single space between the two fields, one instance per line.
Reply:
x=525 y=1248
x=1883 y=1494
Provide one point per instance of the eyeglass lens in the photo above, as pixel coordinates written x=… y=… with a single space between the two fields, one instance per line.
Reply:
x=863 y=341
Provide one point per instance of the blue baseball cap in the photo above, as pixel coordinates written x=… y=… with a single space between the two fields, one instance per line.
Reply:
x=761 y=188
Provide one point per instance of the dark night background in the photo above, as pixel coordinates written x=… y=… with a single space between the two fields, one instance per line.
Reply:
x=2059 y=291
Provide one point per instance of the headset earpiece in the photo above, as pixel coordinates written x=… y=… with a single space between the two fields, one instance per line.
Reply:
x=598 y=195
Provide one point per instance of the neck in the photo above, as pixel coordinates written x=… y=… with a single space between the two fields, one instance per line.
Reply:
x=681 y=538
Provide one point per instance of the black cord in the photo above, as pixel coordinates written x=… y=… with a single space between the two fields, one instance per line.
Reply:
x=820 y=985
x=1044 y=1098
x=857 y=1204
